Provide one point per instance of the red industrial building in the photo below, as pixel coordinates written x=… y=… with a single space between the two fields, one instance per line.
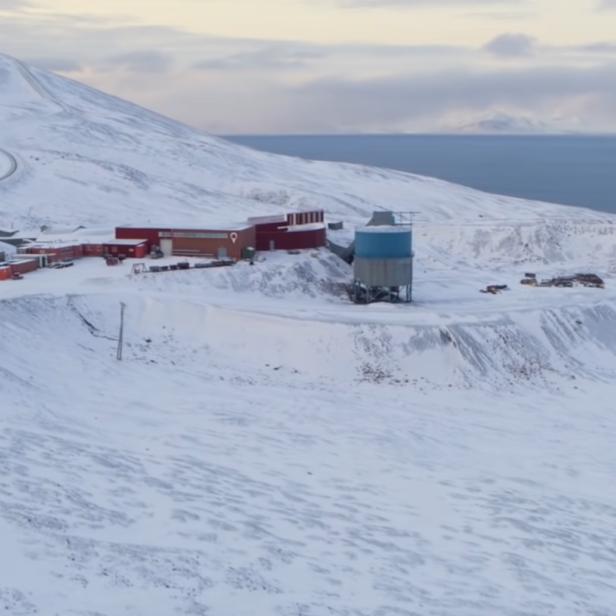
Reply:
x=293 y=231
x=220 y=242
x=297 y=230
x=20 y=265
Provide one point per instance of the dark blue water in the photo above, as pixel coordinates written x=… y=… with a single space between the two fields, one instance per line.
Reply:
x=575 y=170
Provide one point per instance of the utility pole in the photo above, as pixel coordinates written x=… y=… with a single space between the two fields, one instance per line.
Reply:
x=121 y=335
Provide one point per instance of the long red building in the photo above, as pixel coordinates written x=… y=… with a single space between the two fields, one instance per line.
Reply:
x=293 y=231
x=223 y=241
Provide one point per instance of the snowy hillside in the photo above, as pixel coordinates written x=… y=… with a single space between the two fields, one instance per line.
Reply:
x=266 y=447
x=85 y=158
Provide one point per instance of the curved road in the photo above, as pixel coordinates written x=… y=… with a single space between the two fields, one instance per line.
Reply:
x=12 y=165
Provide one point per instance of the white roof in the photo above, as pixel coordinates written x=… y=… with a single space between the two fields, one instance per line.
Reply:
x=212 y=228
x=116 y=242
x=262 y=220
x=54 y=244
x=385 y=229
x=312 y=226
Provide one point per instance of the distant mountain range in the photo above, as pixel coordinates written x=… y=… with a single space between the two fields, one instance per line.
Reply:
x=506 y=124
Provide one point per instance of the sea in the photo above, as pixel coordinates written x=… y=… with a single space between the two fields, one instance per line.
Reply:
x=572 y=170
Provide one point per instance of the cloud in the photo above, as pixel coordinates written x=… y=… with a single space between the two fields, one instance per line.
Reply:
x=427 y=3
x=268 y=56
x=143 y=61
x=602 y=47
x=417 y=100
x=11 y=4
x=55 y=64
x=15 y=5
x=247 y=85
x=511 y=44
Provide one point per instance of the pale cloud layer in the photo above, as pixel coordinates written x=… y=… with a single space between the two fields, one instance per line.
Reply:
x=439 y=65
x=428 y=3
x=511 y=45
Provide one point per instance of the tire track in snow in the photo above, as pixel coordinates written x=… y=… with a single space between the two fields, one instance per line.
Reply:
x=12 y=168
x=37 y=86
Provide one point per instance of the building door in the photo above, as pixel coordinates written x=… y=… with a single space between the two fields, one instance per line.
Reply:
x=166 y=245
x=222 y=252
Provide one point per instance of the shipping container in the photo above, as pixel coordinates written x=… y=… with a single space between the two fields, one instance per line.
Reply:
x=5 y=272
x=128 y=249
x=24 y=266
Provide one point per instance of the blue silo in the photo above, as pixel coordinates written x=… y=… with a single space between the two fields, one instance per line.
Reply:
x=384 y=242
x=383 y=266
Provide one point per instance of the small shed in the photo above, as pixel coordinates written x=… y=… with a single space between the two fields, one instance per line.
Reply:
x=126 y=248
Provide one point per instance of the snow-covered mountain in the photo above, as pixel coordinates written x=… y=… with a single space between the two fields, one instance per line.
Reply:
x=75 y=156
x=266 y=447
x=500 y=123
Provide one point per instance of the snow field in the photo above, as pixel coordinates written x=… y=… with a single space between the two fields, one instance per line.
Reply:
x=243 y=487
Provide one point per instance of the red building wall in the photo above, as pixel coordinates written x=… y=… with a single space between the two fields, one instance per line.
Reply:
x=22 y=266
x=297 y=239
x=152 y=235
x=188 y=242
x=57 y=253
x=138 y=250
x=25 y=266
x=291 y=240
x=92 y=250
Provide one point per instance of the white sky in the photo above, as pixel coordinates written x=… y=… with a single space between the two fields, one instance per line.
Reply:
x=334 y=65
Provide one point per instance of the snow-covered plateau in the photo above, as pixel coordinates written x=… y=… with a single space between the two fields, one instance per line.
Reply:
x=266 y=447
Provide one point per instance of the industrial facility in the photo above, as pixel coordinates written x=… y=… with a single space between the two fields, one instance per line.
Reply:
x=383 y=259
x=226 y=242
x=294 y=231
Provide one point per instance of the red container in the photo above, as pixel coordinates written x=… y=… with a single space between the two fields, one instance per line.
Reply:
x=129 y=249
x=24 y=266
